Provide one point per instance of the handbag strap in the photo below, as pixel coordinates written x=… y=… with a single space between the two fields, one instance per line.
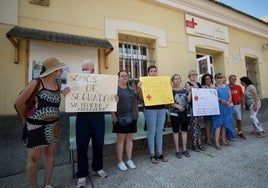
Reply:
x=31 y=99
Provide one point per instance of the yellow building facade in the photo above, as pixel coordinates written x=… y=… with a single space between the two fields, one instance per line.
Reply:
x=176 y=36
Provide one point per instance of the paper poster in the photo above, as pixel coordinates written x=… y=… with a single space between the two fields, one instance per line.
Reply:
x=156 y=90
x=91 y=92
x=205 y=102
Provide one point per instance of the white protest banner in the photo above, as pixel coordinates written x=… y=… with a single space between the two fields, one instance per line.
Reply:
x=91 y=92
x=205 y=102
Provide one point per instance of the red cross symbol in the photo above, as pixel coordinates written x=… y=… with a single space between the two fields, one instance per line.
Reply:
x=149 y=97
x=191 y=23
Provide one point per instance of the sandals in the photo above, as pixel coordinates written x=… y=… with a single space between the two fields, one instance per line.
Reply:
x=226 y=143
x=208 y=142
x=154 y=160
x=217 y=147
x=162 y=158
x=196 y=149
x=201 y=147
x=186 y=153
x=178 y=155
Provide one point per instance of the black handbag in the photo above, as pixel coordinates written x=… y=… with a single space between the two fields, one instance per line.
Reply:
x=125 y=119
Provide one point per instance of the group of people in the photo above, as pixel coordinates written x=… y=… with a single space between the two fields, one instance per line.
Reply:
x=42 y=120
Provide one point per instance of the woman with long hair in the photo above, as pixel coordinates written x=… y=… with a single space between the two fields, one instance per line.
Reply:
x=207 y=82
x=253 y=101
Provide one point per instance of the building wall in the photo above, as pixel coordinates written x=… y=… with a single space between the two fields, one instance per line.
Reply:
x=175 y=50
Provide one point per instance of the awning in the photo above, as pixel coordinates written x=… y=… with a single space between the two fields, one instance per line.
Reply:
x=20 y=32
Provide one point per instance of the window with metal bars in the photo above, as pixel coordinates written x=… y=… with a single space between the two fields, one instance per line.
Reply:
x=135 y=58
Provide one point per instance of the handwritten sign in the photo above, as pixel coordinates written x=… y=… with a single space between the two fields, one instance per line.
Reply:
x=156 y=90
x=91 y=92
x=205 y=102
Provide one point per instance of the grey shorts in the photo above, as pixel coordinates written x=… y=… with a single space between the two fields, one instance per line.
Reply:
x=237 y=111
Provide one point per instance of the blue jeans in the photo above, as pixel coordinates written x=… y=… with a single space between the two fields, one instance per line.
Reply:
x=155 y=119
x=89 y=125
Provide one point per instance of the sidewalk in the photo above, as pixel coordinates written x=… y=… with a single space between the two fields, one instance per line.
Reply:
x=243 y=165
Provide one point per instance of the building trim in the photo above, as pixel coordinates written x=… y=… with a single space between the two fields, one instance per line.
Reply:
x=194 y=42
x=113 y=26
x=250 y=52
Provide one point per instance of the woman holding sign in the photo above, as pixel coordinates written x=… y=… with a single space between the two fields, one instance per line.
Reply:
x=207 y=82
x=195 y=120
x=155 y=119
x=125 y=121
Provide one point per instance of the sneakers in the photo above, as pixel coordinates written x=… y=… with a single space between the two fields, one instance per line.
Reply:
x=122 y=166
x=81 y=182
x=260 y=134
x=241 y=135
x=131 y=164
x=101 y=173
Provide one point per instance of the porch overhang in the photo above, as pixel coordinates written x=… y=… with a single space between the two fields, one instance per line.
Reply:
x=17 y=33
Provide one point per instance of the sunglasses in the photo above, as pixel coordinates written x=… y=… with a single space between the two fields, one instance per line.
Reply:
x=219 y=77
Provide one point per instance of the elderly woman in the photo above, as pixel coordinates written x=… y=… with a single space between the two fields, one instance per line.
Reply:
x=195 y=120
x=42 y=120
x=223 y=121
x=252 y=100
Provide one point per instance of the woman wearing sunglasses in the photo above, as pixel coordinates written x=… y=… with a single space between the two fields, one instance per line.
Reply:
x=223 y=121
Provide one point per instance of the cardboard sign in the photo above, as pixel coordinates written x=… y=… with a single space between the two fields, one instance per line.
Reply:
x=91 y=92
x=156 y=90
x=205 y=102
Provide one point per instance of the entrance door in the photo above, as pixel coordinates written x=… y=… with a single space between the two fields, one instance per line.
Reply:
x=203 y=66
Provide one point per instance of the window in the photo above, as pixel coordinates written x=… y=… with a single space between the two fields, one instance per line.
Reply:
x=135 y=55
x=252 y=71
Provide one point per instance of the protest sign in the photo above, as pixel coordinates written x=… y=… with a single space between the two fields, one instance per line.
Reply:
x=91 y=92
x=205 y=102
x=156 y=90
